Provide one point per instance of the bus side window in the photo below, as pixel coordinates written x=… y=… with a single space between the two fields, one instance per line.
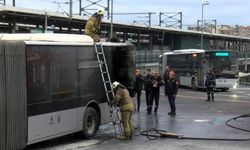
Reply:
x=88 y=72
x=62 y=71
x=37 y=70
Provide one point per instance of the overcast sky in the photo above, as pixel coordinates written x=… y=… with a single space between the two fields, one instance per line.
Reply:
x=231 y=12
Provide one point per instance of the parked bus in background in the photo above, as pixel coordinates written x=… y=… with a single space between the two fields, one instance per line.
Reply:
x=51 y=85
x=191 y=66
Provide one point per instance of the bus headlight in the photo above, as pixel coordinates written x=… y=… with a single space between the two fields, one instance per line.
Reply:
x=235 y=85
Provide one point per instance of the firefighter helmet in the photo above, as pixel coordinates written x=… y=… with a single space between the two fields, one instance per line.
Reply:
x=115 y=84
x=100 y=11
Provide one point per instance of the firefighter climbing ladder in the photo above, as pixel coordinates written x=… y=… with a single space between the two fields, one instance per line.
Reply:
x=108 y=88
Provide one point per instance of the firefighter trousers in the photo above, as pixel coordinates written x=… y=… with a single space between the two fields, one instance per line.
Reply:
x=95 y=37
x=126 y=117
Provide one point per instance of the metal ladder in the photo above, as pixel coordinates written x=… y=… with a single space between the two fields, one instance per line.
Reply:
x=108 y=88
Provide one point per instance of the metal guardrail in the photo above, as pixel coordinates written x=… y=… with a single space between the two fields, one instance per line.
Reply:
x=147 y=56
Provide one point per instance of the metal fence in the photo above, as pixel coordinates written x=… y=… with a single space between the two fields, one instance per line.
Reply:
x=147 y=56
x=146 y=59
x=244 y=84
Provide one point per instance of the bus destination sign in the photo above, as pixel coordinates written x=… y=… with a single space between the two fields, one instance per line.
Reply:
x=221 y=54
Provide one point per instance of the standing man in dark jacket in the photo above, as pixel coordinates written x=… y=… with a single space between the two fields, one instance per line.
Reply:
x=147 y=85
x=171 y=89
x=156 y=82
x=210 y=84
x=138 y=87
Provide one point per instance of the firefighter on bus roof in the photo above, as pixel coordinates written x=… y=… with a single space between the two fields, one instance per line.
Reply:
x=93 y=24
x=126 y=105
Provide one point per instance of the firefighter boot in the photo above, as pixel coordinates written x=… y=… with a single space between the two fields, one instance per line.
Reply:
x=122 y=137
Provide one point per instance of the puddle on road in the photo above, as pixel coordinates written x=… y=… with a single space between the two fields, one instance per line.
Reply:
x=212 y=120
x=199 y=120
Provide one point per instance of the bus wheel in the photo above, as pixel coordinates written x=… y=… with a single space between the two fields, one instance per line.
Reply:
x=193 y=84
x=89 y=122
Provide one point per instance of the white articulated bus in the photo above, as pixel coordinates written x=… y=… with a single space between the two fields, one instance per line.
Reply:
x=191 y=66
x=51 y=85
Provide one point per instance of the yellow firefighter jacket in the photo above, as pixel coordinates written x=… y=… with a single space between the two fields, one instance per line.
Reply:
x=92 y=25
x=123 y=100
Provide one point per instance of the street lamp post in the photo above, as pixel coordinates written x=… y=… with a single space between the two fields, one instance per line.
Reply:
x=70 y=8
x=202 y=25
x=111 y=24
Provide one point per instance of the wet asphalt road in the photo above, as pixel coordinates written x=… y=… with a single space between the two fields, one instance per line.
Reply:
x=195 y=118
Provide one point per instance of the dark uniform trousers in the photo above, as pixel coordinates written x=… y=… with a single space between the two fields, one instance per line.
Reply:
x=210 y=84
x=138 y=88
x=147 y=93
x=147 y=88
x=210 y=91
x=171 y=99
x=138 y=99
x=154 y=96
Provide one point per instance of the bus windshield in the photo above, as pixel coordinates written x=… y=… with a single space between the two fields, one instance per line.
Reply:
x=224 y=63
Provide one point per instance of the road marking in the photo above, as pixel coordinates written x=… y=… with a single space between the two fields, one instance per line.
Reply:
x=202 y=120
x=203 y=98
x=231 y=94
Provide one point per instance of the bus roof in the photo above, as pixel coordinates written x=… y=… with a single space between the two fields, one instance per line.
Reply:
x=185 y=51
x=55 y=39
x=192 y=51
x=49 y=37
